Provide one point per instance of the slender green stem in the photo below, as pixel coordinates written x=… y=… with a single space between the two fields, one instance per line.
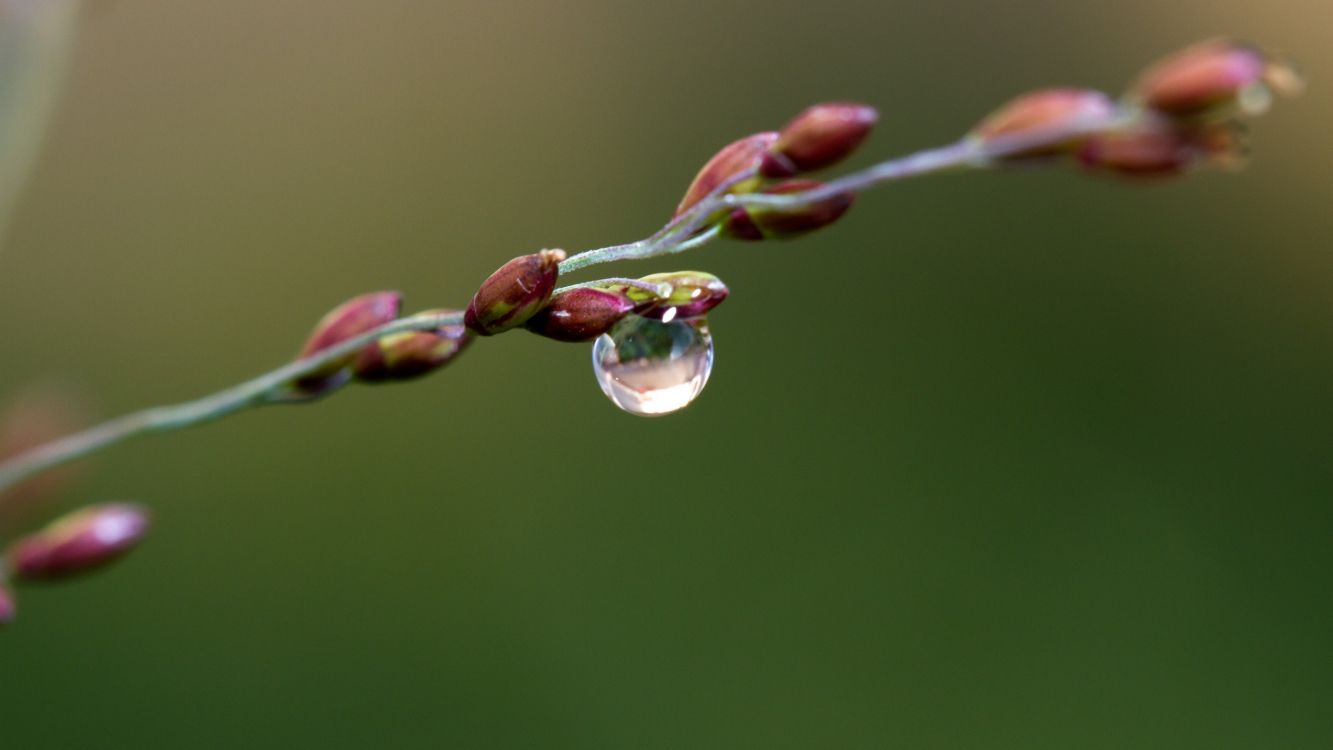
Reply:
x=661 y=242
x=600 y=255
x=698 y=240
x=264 y=389
x=684 y=232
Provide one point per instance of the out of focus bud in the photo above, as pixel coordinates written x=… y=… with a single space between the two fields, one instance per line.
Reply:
x=352 y=318
x=692 y=295
x=581 y=314
x=768 y=222
x=1158 y=148
x=819 y=137
x=1045 y=111
x=35 y=415
x=411 y=354
x=1213 y=79
x=514 y=293
x=81 y=541
x=743 y=157
x=7 y=606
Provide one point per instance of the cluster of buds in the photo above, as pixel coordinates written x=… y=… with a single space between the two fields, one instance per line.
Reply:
x=80 y=542
x=521 y=293
x=514 y=293
x=818 y=137
x=654 y=350
x=411 y=354
x=1177 y=116
x=584 y=313
x=395 y=357
x=1180 y=114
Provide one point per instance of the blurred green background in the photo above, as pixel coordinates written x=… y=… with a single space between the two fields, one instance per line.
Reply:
x=1000 y=461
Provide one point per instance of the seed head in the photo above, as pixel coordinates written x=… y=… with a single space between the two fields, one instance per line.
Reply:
x=1214 y=79
x=1157 y=147
x=514 y=293
x=692 y=295
x=352 y=318
x=737 y=159
x=79 y=542
x=819 y=137
x=1043 y=111
x=411 y=354
x=581 y=314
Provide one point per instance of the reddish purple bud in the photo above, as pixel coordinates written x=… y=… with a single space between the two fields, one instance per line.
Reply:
x=411 y=354
x=692 y=295
x=580 y=314
x=1158 y=148
x=819 y=137
x=1045 y=111
x=81 y=541
x=765 y=222
x=740 y=159
x=514 y=293
x=1214 y=78
x=352 y=318
x=7 y=607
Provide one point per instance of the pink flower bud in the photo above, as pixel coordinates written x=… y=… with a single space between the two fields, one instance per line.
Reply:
x=581 y=314
x=514 y=293
x=352 y=318
x=1159 y=148
x=1214 y=78
x=819 y=137
x=411 y=354
x=693 y=294
x=7 y=606
x=81 y=541
x=1045 y=111
x=743 y=157
x=766 y=222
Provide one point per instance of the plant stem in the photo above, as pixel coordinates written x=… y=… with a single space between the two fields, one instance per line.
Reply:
x=680 y=234
x=265 y=389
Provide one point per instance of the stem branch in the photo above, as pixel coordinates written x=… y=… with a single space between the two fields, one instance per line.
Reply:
x=682 y=233
x=257 y=392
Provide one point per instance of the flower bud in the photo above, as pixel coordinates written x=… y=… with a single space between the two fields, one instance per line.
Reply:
x=819 y=137
x=514 y=293
x=1213 y=79
x=1156 y=148
x=352 y=318
x=743 y=157
x=35 y=415
x=411 y=354
x=1045 y=111
x=769 y=222
x=580 y=314
x=79 y=542
x=7 y=607
x=693 y=294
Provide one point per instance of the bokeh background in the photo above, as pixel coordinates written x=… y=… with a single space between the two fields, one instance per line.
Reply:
x=1000 y=461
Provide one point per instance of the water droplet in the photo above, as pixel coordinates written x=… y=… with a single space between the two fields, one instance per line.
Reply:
x=653 y=367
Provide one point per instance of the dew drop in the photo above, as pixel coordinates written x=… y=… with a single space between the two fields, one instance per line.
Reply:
x=653 y=367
